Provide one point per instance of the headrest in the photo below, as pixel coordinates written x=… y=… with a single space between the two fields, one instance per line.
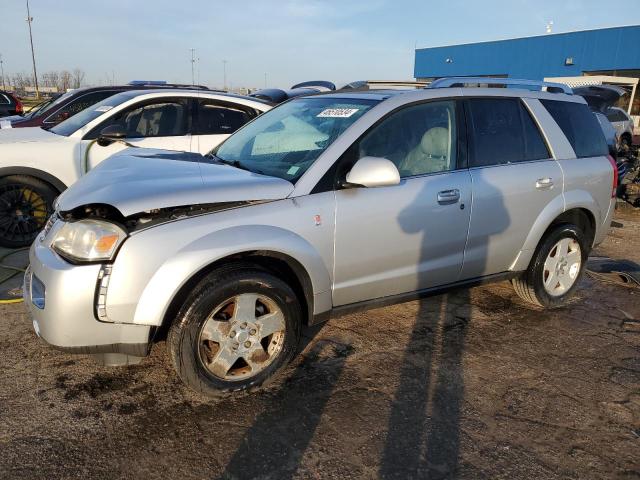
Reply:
x=435 y=142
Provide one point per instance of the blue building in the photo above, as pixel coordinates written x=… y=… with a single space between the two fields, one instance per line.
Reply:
x=608 y=51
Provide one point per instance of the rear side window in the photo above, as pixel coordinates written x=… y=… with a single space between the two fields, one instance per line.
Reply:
x=502 y=131
x=4 y=100
x=213 y=118
x=79 y=104
x=580 y=126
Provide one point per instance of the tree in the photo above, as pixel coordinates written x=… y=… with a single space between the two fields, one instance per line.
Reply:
x=78 y=78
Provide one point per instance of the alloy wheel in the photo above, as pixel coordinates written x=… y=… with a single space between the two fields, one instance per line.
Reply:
x=562 y=266
x=242 y=337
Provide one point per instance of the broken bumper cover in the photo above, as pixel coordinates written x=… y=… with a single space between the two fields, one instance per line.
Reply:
x=61 y=297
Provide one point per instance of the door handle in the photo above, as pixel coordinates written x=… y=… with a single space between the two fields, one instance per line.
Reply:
x=544 y=183
x=446 y=197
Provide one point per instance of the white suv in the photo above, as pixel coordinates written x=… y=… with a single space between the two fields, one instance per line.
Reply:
x=37 y=164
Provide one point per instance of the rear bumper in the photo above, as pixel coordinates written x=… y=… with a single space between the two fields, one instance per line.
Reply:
x=603 y=229
x=66 y=320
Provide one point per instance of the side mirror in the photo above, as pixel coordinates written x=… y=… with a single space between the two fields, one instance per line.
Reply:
x=373 y=172
x=111 y=134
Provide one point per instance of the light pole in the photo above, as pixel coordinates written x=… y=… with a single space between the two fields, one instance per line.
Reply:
x=224 y=70
x=2 y=73
x=33 y=56
x=193 y=65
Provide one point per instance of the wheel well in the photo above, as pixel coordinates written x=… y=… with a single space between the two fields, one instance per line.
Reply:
x=284 y=267
x=45 y=177
x=626 y=135
x=582 y=218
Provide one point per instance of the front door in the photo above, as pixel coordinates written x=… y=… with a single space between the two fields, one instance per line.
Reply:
x=408 y=237
x=162 y=123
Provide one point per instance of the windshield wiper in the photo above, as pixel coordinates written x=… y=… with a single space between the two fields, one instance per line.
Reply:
x=232 y=163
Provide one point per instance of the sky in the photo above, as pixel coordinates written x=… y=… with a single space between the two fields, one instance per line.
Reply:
x=288 y=41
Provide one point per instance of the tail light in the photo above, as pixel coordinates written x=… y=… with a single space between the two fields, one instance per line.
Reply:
x=614 y=188
x=19 y=107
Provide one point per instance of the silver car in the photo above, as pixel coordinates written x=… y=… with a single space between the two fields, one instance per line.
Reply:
x=324 y=205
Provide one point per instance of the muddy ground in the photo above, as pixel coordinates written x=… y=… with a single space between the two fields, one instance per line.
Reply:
x=471 y=385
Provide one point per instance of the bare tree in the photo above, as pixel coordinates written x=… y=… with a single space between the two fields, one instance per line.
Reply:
x=78 y=78
x=66 y=80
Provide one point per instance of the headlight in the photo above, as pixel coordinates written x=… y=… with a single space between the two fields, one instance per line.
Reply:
x=88 y=240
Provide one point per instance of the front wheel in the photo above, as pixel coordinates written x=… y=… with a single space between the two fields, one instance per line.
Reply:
x=235 y=331
x=555 y=269
x=25 y=205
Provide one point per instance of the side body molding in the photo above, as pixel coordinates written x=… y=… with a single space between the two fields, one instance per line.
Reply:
x=197 y=255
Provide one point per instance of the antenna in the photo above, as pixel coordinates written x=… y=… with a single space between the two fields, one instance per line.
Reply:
x=549 y=26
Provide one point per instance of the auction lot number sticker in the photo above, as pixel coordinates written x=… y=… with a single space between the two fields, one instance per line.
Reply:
x=337 y=112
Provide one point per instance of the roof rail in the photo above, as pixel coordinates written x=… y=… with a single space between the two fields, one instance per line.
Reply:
x=506 y=82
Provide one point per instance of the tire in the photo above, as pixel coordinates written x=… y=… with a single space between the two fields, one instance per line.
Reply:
x=25 y=205
x=625 y=144
x=530 y=285
x=200 y=348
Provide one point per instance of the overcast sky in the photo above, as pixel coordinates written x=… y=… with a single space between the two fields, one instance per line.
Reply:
x=288 y=40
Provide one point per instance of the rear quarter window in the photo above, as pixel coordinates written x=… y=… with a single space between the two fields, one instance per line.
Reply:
x=580 y=126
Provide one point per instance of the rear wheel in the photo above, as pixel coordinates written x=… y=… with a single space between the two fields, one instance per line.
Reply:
x=555 y=269
x=25 y=205
x=236 y=330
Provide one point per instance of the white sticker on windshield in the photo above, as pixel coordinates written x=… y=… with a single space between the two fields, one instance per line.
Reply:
x=293 y=170
x=337 y=112
x=104 y=108
x=5 y=124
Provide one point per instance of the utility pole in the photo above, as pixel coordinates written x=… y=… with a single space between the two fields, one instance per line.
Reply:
x=193 y=66
x=2 y=73
x=33 y=56
x=224 y=70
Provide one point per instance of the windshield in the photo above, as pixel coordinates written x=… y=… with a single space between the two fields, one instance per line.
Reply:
x=79 y=120
x=285 y=141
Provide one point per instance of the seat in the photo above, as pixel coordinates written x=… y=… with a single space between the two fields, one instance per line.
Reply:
x=430 y=155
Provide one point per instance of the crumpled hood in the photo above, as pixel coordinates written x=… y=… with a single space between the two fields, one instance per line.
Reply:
x=138 y=180
x=28 y=135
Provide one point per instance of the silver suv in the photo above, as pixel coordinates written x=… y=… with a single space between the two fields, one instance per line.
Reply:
x=326 y=204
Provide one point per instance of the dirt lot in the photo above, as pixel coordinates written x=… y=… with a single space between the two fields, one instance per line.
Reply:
x=466 y=385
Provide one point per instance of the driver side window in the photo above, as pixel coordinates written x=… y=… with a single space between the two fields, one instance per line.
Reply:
x=419 y=139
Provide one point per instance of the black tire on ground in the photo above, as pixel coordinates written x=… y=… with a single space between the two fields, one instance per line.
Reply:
x=530 y=285
x=25 y=205
x=183 y=341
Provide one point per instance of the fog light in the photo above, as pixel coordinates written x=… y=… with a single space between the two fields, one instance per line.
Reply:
x=37 y=292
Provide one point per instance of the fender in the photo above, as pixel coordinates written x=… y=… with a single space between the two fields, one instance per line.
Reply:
x=34 y=172
x=560 y=204
x=172 y=275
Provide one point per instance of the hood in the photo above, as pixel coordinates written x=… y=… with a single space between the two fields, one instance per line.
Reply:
x=139 y=180
x=27 y=135
x=600 y=97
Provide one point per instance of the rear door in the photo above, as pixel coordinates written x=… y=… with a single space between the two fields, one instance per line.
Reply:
x=514 y=178
x=411 y=236
x=215 y=120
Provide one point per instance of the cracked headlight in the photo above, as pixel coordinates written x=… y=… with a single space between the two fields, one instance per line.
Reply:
x=88 y=240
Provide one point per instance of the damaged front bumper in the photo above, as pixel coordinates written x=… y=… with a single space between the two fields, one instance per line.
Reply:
x=61 y=298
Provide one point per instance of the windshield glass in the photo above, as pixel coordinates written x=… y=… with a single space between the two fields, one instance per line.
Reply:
x=285 y=141
x=45 y=106
x=79 y=120
x=39 y=108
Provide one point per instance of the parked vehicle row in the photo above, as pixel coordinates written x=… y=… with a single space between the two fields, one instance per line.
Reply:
x=326 y=204
x=37 y=164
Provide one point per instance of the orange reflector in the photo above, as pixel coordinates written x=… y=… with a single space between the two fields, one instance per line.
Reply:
x=106 y=243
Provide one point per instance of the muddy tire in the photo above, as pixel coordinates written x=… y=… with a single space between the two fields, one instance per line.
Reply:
x=236 y=330
x=555 y=269
x=25 y=205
